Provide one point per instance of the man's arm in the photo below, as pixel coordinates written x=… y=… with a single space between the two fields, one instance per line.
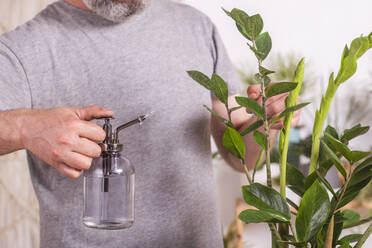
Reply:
x=241 y=120
x=62 y=137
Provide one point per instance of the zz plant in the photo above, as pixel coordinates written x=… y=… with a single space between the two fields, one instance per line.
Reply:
x=319 y=220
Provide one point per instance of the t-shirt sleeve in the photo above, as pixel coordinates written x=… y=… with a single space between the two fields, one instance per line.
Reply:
x=14 y=87
x=223 y=65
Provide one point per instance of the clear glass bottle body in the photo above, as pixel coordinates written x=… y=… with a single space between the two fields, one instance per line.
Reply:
x=109 y=192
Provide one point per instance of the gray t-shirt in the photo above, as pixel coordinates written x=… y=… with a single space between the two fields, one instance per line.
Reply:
x=66 y=56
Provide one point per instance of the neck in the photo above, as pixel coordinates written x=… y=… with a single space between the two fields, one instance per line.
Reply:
x=78 y=4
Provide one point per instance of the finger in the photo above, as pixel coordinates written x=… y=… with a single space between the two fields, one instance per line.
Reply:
x=77 y=161
x=93 y=112
x=91 y=131
x=280 y=97
x=295 y=119
x=278 y=125
x=275 y=108
x=68 y=171
x=254 y=91
x=88 y=148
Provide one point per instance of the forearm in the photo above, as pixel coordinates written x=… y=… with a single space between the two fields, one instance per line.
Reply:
x=10 y=130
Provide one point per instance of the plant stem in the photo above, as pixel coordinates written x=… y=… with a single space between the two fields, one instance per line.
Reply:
x=293 y=231
x=266 y=123
x=274 y=231
x=329 y=237
x=364 y=237
x=275 y=236
x=283 y=158
x=320 y=117
x=246 y=171
x=258 y=162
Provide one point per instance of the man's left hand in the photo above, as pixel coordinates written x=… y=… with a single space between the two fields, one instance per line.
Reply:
x=274 y=105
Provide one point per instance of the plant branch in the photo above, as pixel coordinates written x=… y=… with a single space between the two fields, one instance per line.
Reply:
x=266 y=123
x=258 y=162
x=246 y=171
x=293 y=231
x=329 y=237
x=364 y=237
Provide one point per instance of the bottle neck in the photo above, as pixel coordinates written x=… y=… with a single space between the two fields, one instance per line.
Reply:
x=111 y=154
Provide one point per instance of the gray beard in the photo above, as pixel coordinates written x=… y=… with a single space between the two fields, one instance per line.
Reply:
x=115 y=10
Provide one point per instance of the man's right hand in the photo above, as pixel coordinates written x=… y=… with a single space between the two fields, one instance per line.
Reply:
x=63 y=137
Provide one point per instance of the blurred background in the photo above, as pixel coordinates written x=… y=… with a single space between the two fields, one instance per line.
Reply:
x=317 y=30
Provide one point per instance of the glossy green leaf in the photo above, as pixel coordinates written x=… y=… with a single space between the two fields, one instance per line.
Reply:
x=340 y=147
x=334 y=158
x=280 y=88
x=353 y=132
x=358 y=155
x=365 y=166
x=360 y=177
x=345 y=245
x=310 y=179
x=260 y=139
x=249 y=26
x=264 y=44
x=264 y=71
x=338 y=226
x=234 y=109
x=331 y=131
x=313 y=212
x=258 y=216
x=295 y=180
x=223 y=120
x=325 y=183
x=351 y=238
x=289 y=110
x=267 y=199
x=219 y=88
x=201 y=78
x=252 y=127
x=250 y=104
x=267 y=80
x=234 y=143
x=350 y=217
x=254 y=25
x=240 y=18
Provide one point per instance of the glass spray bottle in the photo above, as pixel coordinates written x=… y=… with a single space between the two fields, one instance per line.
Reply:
x=109 y=184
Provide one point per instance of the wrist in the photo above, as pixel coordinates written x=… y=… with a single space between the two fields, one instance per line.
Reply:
x=21 y=126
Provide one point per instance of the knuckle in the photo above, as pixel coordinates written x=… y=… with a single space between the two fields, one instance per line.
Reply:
x=97 y=151
x=65 y=140
x=56 y=153
x=276 y=108
x=73 y=124
x=101 y=134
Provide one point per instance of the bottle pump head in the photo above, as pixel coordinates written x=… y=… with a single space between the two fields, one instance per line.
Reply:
x=111 y=142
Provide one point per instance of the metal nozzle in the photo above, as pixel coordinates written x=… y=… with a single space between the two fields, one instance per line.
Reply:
x=111 y=142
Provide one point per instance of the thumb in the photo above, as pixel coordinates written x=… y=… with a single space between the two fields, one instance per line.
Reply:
x=254 y=91
x=93 y=112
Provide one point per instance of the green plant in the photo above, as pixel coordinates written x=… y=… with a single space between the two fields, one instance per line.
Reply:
x=318 y=220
